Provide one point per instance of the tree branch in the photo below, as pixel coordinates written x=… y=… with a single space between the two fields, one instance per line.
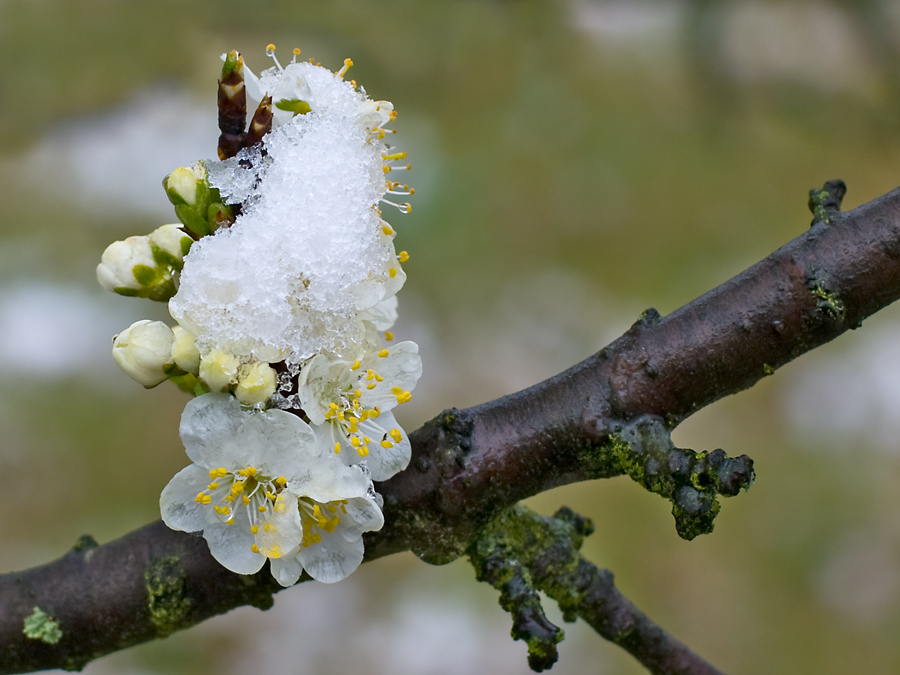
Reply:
x=470 y=464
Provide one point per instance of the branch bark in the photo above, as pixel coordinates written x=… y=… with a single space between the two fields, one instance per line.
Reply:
x=470 y=464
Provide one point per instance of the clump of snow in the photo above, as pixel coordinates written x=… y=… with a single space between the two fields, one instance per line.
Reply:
x=307 y=254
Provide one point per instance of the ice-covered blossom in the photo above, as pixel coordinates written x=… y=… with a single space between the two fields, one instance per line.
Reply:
x=260 y=488
x=144 y=352
x=309 y=253
x=349 y=404
x=282 y=278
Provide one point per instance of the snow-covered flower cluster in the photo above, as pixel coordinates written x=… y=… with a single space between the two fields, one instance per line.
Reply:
x=281 y=277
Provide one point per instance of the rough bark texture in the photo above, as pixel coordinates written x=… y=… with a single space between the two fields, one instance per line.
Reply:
x=469 y=465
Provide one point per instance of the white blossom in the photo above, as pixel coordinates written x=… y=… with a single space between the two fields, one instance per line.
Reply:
x=349 y=404
x=260 y=488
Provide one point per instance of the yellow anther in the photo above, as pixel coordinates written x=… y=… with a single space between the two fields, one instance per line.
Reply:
x=199 y=497
x=357 y=392
x=207 y=500
x=270 y=495
x=396 y=155
x=216 y=508
x=388 y=335
x=237 y=488
x=230 y=521
x=270 y=47
x=222 y=471
x=254 y=548
x=386 y=444
x=213 y=473
x=332 y=508
x=337 y=448
x=366 y=440
x=392 y=272
x=370 y=374
x=344 y=505
x=316 y=538
x=362 y=451
x=355 y=366
x=316 y=511
x=375 y=412
x=354 y=441
x=387 y=169
x=251 y=471
x=404 y=397
x=262 y=508
x=403 y=256
x=296 y=51
x=254 y=529
x=213 y=486
x=347 y=64
x=363 y=415
x=281 y=480
x=383 y=353
x=246 y=500
x=378 y=378
x=225 y=510
x=387 y=230
x=396 y=390
x=229 y=498
x=408 y=205
x=371 y=386
x=396 y=435
x=356 y=405
x=393 y=115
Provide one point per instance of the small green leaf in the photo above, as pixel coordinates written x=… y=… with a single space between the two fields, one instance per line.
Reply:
x=294 y=105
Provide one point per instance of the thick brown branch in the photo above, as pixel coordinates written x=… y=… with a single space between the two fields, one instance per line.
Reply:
x=469 y=464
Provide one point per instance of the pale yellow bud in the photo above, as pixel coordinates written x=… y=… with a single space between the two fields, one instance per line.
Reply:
x=182 y=183
x=256 y=383
x=219 y=369
x=185 y=352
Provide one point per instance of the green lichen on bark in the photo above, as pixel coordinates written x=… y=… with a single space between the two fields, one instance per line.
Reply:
x=40 y=626
x=825 y=202
x=168 y=600
x=692 y=481
x=520 y=553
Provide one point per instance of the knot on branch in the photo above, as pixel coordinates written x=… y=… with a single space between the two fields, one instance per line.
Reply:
x=520 y=553
x=825 y=202
x=692 y=481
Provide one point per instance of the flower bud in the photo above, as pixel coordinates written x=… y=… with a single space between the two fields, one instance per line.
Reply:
x=144 y=351
x=219 y=369
x=185 y=352
x=181 y=186
x=256 y=383
x=170 y=244
x=123 y=262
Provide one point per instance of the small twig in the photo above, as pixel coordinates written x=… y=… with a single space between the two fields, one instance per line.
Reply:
x=521 y=552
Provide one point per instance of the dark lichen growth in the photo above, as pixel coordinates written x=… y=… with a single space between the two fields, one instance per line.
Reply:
x=768 y=370
x=827 y=301
x=691 y=480
x=825 y=202
x=40 y=626
x=520 y=553
x=168 y=600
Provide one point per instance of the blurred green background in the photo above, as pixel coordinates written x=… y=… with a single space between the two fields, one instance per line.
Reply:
x=575 y=163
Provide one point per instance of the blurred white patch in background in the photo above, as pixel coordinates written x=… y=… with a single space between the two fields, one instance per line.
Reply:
x=116 y=161
x=815 y=43
x=49 y=331
x=859 y=577
x=854 y=395
x=629 y=23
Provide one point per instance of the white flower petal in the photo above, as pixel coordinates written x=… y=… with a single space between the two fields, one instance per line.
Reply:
x=332 y=559
x=385 y=462
x=230 y=545
x=286 y=570
x=177 y=503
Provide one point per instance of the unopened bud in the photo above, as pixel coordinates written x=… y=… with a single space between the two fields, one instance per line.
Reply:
x=137 y=268
x=185 y=352
x=170 y=244
x=256 y=383
x=144 y=352
x=219 y=369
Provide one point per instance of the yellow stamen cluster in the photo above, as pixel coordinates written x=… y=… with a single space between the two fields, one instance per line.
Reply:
x=324 y=517
x=254 y=490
